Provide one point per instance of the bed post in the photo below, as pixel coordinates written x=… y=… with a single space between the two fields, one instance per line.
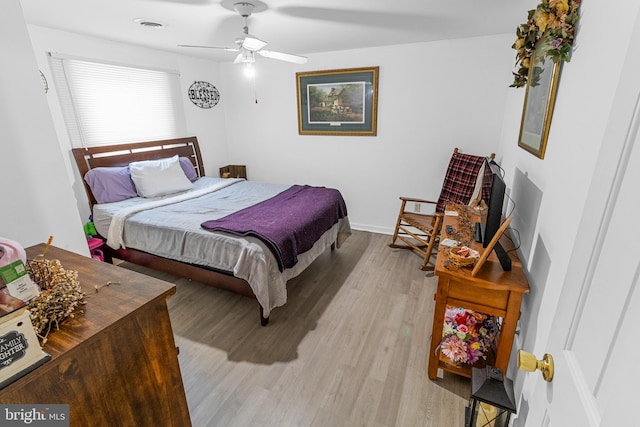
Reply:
x=264 y=321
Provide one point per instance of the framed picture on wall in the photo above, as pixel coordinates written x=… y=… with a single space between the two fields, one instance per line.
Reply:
x=538 y=104
x=338 y=102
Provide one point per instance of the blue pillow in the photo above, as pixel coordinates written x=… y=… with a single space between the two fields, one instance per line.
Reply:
x=111 y=184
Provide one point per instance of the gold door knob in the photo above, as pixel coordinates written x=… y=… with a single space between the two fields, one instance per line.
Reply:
x=528 y=362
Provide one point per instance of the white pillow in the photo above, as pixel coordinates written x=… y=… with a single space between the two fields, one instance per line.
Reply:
x=159 y=177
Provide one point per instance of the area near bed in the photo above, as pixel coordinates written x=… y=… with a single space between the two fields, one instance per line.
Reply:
x=154 y=204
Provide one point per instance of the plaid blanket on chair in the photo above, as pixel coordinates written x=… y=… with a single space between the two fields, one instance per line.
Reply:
x=460 y=180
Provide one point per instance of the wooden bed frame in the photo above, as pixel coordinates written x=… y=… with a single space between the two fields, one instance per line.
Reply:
x=122 y=155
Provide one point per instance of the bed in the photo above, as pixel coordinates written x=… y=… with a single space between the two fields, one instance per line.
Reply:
x=154 y=206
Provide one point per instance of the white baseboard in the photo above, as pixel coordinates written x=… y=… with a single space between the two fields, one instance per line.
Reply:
x=372 y=229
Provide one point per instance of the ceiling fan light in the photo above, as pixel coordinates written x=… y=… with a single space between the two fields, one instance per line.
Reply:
x=249 y=69
x=248 y=58
x=245 y=57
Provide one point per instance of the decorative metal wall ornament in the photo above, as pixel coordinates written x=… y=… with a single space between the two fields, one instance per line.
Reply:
x=44 y=82
x=203 y=94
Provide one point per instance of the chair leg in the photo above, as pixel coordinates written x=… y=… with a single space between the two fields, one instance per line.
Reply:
x=437 y=225
x=395 y=233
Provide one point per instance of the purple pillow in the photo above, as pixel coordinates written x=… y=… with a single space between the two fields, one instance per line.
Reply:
x=111 y=184
x=188 y=169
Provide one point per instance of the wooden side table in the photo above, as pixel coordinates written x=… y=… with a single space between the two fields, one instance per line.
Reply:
x=492 y=291
x=234 y=171
x=116 y=363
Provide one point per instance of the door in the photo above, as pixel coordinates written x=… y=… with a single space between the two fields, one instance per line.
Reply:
x=595 y=341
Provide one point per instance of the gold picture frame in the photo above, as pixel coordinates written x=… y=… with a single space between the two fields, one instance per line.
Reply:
x=539 y=100
x=338 y=102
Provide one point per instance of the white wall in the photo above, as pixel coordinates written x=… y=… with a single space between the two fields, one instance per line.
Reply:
x=37 y=200
x=207 y=124
x=433 y=97
x=560 y=182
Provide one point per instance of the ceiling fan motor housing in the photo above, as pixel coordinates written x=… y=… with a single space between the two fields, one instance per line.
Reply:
x=244 y=9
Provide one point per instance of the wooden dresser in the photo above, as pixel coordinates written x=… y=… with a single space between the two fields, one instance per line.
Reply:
x=116 y=364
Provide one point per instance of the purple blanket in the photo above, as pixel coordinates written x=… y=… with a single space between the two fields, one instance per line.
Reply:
x=288 y=223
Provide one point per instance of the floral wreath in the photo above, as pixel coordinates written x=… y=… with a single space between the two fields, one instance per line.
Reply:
x=550 y=27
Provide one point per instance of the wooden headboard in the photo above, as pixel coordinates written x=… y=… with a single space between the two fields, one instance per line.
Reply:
x=123 y=154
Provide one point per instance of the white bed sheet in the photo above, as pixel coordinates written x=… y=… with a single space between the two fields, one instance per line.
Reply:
x=172 y=230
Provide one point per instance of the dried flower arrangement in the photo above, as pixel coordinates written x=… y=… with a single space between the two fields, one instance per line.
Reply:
x=59 y=298
x=550 y=26
x=467 y=335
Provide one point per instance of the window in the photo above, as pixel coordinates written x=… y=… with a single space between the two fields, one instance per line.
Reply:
x=109 y=104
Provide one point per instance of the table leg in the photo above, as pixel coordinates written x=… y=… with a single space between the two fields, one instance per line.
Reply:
x=508 y=330
x=442 y=293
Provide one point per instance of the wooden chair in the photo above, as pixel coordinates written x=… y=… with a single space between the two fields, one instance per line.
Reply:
x=420 y=231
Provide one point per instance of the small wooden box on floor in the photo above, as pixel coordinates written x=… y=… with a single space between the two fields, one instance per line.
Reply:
x=492 y=291
x=116 y=364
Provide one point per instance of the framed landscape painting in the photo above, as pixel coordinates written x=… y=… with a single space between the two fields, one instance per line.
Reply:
x=338 y=102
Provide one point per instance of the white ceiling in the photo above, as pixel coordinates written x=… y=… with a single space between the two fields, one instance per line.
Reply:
x=301 y=27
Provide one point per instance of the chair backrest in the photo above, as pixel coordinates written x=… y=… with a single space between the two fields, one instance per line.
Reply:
x=461 y=178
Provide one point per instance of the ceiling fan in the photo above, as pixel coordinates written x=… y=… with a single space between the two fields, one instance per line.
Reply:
x=248 y=44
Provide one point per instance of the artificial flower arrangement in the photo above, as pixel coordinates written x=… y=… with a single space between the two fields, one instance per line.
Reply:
x=551 y=27
x=467 y=335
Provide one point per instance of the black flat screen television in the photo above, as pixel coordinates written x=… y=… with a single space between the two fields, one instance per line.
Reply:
x=487 y=230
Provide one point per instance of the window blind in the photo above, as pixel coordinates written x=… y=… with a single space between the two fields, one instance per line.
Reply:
x=109 y=104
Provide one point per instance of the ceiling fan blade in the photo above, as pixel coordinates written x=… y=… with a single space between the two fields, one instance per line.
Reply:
x=228 y=49
x=283 y=56
x=253 y=43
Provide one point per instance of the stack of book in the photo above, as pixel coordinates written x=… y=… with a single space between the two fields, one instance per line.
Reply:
x=20 y=350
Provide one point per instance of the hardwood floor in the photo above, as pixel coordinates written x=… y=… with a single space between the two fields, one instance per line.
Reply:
x=348 y=349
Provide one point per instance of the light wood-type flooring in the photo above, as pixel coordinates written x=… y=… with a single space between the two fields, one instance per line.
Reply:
x=348 y=349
